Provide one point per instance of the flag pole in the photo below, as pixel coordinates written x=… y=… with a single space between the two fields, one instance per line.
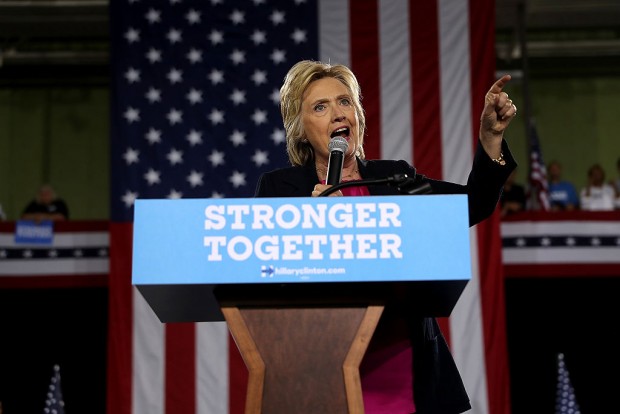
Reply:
x=537 y=180
x=525 y=66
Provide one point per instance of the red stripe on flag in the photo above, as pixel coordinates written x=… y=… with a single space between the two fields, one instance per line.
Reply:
x=444 y=325
x=426 y=87
x=365 y=63
x=482 y=69
x=493 y=315
x=426 y=104
x=120 y=332
x=482 y=57
x=180 y=388
x=237 y=377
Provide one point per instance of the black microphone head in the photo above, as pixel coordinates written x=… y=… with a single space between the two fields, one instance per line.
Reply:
x=338 y=143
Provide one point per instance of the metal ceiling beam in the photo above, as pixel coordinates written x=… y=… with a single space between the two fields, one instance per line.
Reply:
x=54 y=18
x=76 y=32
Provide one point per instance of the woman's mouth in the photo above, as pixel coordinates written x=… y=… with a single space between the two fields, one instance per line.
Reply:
x=341 y=132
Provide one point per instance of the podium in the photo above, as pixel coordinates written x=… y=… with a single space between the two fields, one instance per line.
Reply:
x=302 y=284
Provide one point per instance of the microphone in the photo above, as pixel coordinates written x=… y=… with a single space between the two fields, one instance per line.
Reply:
x=416 y=185
x=337 y=147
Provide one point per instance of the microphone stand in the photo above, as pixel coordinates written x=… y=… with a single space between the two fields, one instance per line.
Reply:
x=404 y=184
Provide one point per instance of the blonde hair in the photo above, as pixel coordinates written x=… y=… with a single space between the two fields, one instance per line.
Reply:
x=297 y=80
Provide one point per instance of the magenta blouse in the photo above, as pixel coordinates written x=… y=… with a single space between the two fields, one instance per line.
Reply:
x=386 y=370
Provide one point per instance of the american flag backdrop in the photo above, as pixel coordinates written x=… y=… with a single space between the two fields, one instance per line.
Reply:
x=194 y=114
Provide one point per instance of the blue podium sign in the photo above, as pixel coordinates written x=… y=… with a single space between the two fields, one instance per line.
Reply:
x=288 y=240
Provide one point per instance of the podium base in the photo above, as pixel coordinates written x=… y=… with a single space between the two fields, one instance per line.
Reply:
x=303 y=360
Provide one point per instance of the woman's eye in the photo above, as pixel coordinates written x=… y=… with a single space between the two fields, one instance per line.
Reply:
x=345 y=101
x=319 y=107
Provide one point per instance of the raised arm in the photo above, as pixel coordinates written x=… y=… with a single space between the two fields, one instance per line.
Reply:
x=498 y=111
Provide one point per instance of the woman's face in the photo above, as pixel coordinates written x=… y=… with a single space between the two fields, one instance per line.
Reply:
x=327 y=110
x=597 y=176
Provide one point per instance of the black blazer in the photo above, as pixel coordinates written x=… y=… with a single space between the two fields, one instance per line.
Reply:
x=484 y=184
x=438 y=386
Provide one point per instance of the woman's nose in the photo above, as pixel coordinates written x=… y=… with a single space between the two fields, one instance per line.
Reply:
x=339 y=116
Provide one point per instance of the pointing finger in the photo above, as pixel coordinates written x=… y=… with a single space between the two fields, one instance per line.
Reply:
x=499 y=84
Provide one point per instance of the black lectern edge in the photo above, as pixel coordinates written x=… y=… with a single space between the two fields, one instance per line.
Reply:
x=201 y=302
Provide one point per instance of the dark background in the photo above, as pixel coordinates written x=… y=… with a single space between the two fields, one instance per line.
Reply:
x=577 y=316
x=43 y=327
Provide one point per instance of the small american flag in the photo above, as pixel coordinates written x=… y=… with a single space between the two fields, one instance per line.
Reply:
x=538 y=189
x=54 y=404
x=565 y=402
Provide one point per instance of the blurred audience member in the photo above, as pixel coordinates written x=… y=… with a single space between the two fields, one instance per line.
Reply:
x=597 y=195
x=46 y=206
x=512 y=199
x=2 y=217
x=562 y=194
x=616 y=183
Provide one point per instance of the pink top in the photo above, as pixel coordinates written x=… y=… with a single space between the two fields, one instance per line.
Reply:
x=386 y=370
x=387 y=379
x=355 y=191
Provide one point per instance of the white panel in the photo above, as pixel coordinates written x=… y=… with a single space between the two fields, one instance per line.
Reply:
x=395 y=60
x=212 y=368
x=560 y=228
x=54 y=267
x=562 y=255
x=334 y=34
x=467 y=337
x=148 y=359
x=87 y=239
x=455 y=94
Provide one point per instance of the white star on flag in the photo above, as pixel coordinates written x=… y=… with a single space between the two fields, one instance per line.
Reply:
x=260 y=158
x=153 y=16
x=193 y=17
x=237 y=138
x=152 y=177
x=175 y=156
x=259 y=77
x=216 y=158
x=174 y=195
x=237 y=96
x=132 y=115
x=153 y=136
x=132 y=35
x=132 y=75
x=259 y=117
x=195 y=178
x=174 y=36
x=194 y=56
x=174 y=116
x=194 y=137
x=131 y=156
x=129 y=197
x=194 y=96
x=153 y=95
x=237 y=179
x=153 y=55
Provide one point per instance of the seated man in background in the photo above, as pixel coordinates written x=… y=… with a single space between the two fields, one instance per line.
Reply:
x=616 y=183
x=597 y=195
x=46 y=206
x=513 y=197
x=562 y=194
